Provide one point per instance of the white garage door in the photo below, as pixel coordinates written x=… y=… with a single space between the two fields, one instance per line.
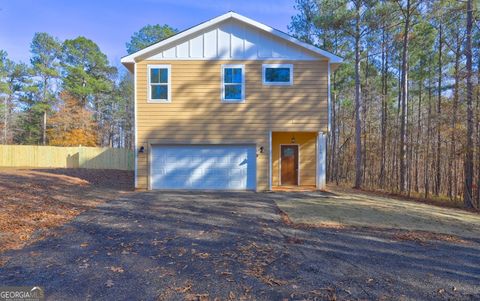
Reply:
x=203 y=167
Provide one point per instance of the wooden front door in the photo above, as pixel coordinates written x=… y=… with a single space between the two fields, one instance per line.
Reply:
x=289 y=164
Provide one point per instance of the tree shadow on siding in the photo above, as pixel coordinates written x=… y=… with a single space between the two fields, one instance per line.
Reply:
x=207 y=120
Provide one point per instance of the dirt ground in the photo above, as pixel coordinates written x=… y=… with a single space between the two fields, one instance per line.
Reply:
x=82 y=235
x=345 y=208
x=33 y=201
x=198 y=246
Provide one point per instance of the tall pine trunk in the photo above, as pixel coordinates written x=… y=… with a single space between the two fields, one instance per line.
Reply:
x=478 y=133
x=429 y=135
x=358 y=125
x=438 y=178
x=5 y=119
x=404 y=99
x=467 y=194
x=384 y=109
x=44 y=120
x=364 y=110
x=44 y=128
x=451 y=167
x=333 y=133
x=419 y=130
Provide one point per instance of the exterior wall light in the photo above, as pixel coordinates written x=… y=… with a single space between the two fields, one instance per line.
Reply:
x=142 y=149
x=293 y=139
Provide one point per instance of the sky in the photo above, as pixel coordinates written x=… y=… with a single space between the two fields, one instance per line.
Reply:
x=111 y=23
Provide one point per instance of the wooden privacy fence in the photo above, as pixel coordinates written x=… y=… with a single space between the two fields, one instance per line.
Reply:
x=66 y=157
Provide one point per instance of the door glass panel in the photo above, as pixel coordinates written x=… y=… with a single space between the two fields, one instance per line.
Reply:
x=288 y=152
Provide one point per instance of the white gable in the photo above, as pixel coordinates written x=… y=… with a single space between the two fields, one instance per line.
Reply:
x=230 y=36
x=232 y=40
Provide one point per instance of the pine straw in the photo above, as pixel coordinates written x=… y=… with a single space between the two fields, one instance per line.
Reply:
x=288 y=221
x=33 y=201
x=257 y=258
x=423 y=237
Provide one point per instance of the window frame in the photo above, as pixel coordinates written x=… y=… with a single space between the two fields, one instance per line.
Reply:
x=168 y=84
x=222 y=80
x=266 y=83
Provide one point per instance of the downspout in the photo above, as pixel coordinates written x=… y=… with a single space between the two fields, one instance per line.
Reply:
x=135 y=123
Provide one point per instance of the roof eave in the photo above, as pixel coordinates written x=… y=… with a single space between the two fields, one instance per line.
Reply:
x=331 y=57
x=131 y=58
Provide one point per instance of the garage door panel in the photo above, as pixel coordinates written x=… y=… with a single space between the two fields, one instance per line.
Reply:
x=203 y=167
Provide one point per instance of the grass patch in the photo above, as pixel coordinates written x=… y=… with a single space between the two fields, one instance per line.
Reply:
x=351 y=208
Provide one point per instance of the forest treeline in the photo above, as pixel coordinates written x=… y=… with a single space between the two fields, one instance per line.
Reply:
x=405 y=104
x=406 y=101
x=69 y=94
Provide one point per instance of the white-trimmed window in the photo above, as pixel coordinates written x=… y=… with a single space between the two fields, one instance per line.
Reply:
x=233 y=83
x=277 y=74
x=159 y=84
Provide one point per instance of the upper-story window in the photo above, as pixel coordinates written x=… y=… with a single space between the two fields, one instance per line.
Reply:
x=159 y=84
x=277 y=74
x=233 y=83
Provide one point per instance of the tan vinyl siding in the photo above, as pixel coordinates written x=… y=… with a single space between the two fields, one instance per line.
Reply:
x=197 y=115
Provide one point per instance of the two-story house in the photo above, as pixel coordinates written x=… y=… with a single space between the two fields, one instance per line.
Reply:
x=231 y=104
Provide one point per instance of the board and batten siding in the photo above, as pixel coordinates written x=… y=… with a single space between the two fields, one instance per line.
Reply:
x=232 y=40
x=197 y=115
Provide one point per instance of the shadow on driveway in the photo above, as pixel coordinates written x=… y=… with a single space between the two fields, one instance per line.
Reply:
x=205 y=245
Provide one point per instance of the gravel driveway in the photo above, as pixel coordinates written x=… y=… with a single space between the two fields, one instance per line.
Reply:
x=233 y=246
